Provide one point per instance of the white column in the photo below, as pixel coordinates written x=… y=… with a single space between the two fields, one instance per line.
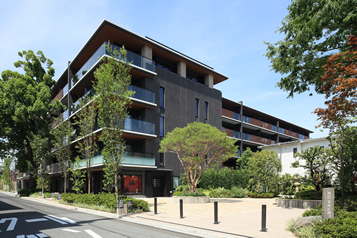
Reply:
x=181 y=69
x=209 y=80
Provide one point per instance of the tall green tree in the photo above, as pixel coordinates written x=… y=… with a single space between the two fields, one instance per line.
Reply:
x=112 y=82
x=87 y=144
x=264 y=166
x=315 y=160
x=25 y=106
x=77 y=175
x=197 y=146
x=314 y=30
x=63 y=134
x=6 y=171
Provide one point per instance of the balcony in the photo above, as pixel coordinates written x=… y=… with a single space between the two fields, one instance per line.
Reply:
x=142 y=94
x=230 y=114
x=258 y=139
x=139 y=126
x=289 y=133
x=130 y=158
x=132 y=57
x=231 y=133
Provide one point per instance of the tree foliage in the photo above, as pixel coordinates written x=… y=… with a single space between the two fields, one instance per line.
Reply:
x=25 y=106
x=197 y=146
x=314 y=30
x=113 y=100
x=77 y=176
x=264 y=166
x=339 y=87
x=63 y=134
x=87 y=145
x=6 y=171
x=316 y=161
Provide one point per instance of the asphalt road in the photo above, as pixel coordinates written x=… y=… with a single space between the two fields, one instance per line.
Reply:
x=20 y=218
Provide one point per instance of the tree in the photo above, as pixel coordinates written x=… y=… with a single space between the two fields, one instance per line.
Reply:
x=25 y=106
x=85 y=119
x=77 y=175
x=314 y=30
x=340 y=90
x=112 y=82
x=242 y=162
x=6 y=171
x=63 y=134
x=264 y=166
x=316 y=161
x=197 y=146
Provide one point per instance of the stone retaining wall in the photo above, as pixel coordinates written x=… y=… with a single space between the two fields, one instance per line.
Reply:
x=297 y=203
x=192 y=199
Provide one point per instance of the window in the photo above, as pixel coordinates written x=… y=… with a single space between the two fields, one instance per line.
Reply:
x=196 y=107
x=294 y=152
x=175 y=182
x=161 y=127
x=161 y=159
x=206 y=110
x=161 y=97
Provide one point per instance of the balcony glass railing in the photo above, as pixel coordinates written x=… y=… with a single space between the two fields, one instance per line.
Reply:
x=132 y=57
x=132 y=158
x=274 y=128
x=139 y=126
x=281 y=130
x=142 y=94
x=65 y=114
x=65 y=90
x=301 y=137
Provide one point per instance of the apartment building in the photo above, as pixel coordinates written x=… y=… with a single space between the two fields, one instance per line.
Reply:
x=171 y=90
x=253 y=128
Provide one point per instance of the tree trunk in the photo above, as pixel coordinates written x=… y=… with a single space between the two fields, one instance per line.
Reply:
x=32 y=181
x=88 y=178
x=65 y=183
x=43 y=187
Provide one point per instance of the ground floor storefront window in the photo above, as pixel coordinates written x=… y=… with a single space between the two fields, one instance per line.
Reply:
x=131 y=183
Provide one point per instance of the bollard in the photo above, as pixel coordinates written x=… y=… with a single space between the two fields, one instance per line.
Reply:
x=215 y=213
x=181 y=208
x=155 y=205
x=264 y=218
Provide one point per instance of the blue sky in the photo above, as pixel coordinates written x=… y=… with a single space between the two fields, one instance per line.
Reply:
x=226 y=35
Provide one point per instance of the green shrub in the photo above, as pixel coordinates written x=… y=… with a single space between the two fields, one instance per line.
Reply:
x=104 y=199
x=221 y=193
x=27 y=191
x=261 y=195
x=197 y=193
x=239 y=192
x=344 y=225
x=182 y=188
x=313 y=212
x=307 y=195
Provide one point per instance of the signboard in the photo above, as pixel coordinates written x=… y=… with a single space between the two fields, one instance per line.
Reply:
x=328 y=201
x=121 y=204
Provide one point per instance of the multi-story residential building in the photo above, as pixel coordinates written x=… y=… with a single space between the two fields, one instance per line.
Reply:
x=253 y=128
x=171 y=90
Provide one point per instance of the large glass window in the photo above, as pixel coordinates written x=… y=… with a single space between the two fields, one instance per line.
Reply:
x=206 y=110
x=131 y=183
x=175 y=182
x=196 y=107
x=161 y=97
x=161 y=126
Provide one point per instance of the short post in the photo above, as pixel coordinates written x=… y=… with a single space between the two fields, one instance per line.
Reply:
x=181 y=208
x=215 y=213
x=155 y=205
x=264 y=218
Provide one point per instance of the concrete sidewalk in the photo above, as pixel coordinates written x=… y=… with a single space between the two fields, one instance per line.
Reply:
x=238 y=217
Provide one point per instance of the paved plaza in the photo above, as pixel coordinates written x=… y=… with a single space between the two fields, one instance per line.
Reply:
x=238 y=217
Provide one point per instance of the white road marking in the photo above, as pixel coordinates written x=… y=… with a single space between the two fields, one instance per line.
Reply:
x=31 y=236
x=41 y=235
x=56 y=220
x=93 y=234
x=12 y=223
x=67 y=220
x=21 y=236
x=36 y=220
x=70 y=230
